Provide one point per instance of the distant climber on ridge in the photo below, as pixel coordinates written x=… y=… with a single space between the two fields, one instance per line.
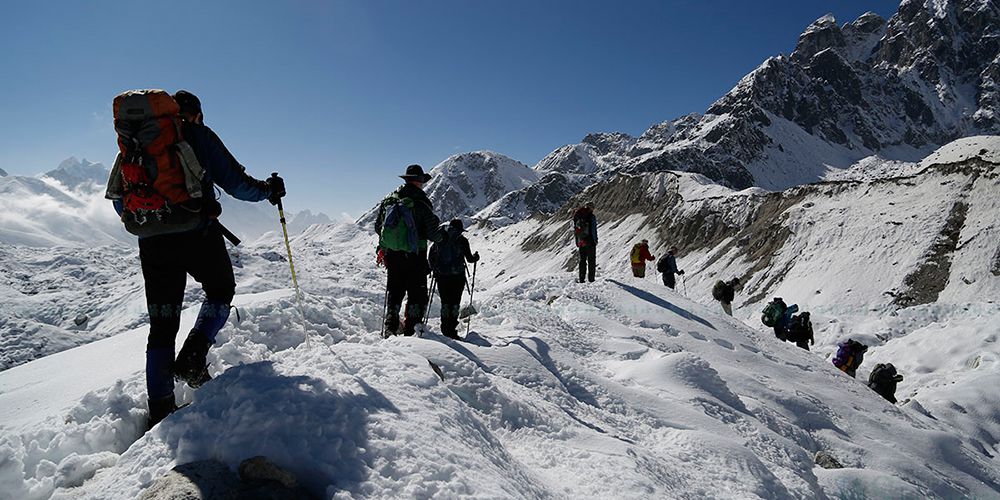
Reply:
x=447 y=261
x=405 y=222
x=640 y=254
x=786 y=324
x=850 y=354
x=585 y=235
x=725 y=292
x=162 y=185
x=883 y=380
x=667 y=265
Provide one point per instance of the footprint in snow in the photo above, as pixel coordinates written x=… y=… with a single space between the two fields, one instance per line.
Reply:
x=696 y=335
x=724 y=343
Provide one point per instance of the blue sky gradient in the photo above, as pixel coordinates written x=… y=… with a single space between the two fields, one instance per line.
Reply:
x=340 y=96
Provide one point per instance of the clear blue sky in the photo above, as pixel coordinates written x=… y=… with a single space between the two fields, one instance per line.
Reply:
x=340 y=96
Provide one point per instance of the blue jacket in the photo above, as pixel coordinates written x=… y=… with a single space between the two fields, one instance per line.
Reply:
x=221 y=167
x=671 y=264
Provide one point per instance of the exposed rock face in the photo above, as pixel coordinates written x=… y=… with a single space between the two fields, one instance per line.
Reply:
x=212 y=480
x=826 y=460
x=868 y=87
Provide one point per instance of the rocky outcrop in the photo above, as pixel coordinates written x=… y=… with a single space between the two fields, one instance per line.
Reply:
x=212 y=480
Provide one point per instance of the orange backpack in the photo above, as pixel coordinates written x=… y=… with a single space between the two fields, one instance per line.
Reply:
x=156 y=175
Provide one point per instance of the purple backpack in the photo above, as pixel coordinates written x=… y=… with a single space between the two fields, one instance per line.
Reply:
x=845 y=350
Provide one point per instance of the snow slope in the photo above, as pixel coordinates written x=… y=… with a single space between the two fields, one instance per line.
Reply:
x=614 y=389
x=69 y=273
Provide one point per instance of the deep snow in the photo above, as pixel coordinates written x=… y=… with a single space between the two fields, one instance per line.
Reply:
x=614 y=389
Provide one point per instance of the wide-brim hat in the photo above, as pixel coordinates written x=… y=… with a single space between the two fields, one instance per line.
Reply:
x=416 y=173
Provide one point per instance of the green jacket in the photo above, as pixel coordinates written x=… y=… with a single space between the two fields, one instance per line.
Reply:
x=428 y=224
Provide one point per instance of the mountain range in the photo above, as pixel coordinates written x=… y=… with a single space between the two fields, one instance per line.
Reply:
x=893 y=89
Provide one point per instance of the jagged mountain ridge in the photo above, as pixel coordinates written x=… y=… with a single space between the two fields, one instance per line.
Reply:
x=563 y=173
x=466 y=183
x=897 y=89
x=76 y=174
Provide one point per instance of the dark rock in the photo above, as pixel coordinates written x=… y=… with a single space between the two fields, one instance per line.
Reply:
x=826 y=460
x=259 y=468
x=204 y=480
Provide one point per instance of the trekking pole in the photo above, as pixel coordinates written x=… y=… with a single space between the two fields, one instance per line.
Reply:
x=385 y=309
x=291 y=265
x=430 y=300
x=472 y=288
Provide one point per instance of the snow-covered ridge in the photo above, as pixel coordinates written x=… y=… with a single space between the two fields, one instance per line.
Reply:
x=985 y=148
x=910 y=233
x=613 y=389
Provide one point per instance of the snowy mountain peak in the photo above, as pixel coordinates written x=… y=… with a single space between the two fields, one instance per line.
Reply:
x=610 y=142
x=822 y=34
x=74 y=173
x=3 y=173
x=465 y=183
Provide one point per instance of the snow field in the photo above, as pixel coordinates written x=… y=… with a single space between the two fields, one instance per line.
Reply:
x=618 y=388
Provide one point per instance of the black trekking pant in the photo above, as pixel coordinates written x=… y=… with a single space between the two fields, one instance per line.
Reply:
x=588 y=262
x=407 y=276
x=167 y=260
x=450 y=287
x=669 y=281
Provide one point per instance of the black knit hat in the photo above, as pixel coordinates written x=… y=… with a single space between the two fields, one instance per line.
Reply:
x=189 y=103
x=416 y=173
x=457 y=224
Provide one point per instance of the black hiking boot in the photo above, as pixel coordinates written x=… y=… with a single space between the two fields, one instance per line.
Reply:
x=191 y=366
x=159 y=409
x=392 y=326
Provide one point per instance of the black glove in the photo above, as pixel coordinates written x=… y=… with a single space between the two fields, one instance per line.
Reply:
x=475 y=257
x=276 y=188
x=680 y=272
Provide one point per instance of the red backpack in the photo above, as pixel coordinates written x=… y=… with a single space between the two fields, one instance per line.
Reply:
x=156 y=175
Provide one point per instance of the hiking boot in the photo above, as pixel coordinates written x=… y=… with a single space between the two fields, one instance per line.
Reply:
x=191 y=366
x=159 y=409
x=391 y=327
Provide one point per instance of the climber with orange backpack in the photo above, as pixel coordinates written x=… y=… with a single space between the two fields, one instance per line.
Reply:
x=163 y=187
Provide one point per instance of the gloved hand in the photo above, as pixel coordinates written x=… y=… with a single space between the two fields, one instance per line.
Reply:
x=475 y=257
x=379 y=256
x=276 y=188
x=680 y=272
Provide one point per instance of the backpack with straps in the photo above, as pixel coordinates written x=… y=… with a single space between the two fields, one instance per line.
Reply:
x=719 y=290
x=772 y=313
x=399 y=228
x=156 y=175
x=446 y=258
x=636 y=255
x=847 y=352
x=581 y=226
x=661 y=265
x=800 y=328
